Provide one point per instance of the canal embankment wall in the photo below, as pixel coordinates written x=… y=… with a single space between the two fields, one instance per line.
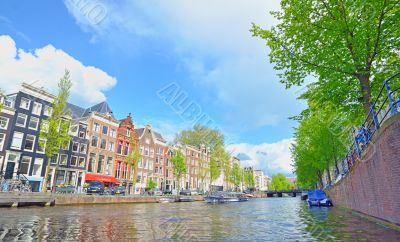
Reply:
x=372 y=186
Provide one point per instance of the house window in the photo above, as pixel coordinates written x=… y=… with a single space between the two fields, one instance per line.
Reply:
x=103 y=144
x=37 y=108
x=33 y=123
x=119 y=151
x=128 y=132
x=81 y=134
x=74 y=160
x=126 y=150
x=96 y=127
x=105 y=130
x=82 y=148
x=100 y=164
x=24 y=167
x=37 y=167
x=111 y=146
x=74 y=130
x=140 y=163
x=2 y=139
x=29 y=142
x=109 y=165
x=54 y=159
x=47 y=110
x=41 y=148
x=113 y=133
x=25 y=103
x=21 y=120
x=63 y=159
x=92 y=157
x=75 y=146
x=95 y=140
x=81 y=161
x=3 y=122
x=45 y=126
x=65 y=146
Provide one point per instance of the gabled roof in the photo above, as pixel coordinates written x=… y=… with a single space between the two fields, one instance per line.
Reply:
x=102 y=108
x=79 y=112
x=139 y=132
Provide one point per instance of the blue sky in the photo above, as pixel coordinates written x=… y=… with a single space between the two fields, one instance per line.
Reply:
x=126 y=52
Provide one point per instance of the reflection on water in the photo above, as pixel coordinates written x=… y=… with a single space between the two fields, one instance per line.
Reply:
x=274 y=219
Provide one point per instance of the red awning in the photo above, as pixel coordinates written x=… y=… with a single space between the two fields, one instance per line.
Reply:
x=102 y=178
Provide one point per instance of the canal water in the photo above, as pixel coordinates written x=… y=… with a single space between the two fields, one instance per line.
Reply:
x=272 y=219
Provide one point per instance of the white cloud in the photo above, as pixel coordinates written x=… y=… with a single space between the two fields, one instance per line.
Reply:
x=45 y=66
x=271 y=158
x=213 y=42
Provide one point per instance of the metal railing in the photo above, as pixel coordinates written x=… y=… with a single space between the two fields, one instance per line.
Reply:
x=19 y=183
x=386 y=105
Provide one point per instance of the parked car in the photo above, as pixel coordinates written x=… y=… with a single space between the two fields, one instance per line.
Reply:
x=119 y=190
x=95 y=187
x=155 y=192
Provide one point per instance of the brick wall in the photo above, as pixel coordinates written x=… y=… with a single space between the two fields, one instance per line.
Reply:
x=373 y=185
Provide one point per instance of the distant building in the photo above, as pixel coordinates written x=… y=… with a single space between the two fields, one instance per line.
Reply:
x=6 y=121
x=267 y=181
x=259 y=179
x=153 y=148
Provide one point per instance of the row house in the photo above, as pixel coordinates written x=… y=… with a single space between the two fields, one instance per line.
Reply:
x=23 y=156
x=7 y=114
x=198 y=168
x=102 y=135
x=123 y=169
x=153 y=148
x=68 y=167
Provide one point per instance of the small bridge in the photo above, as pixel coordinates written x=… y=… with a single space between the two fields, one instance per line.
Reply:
x=292 y=193
x=21 y=199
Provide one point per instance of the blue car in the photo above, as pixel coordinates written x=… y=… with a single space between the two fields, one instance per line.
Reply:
x=318 y=198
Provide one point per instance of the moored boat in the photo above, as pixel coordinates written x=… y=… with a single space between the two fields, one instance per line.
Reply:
x=318 y=198
x=226 y=197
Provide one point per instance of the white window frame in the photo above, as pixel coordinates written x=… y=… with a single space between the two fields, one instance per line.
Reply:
x=111 y=146
x=47 y=110
x=51 y=159
x=66 y=159
x=102 y=130
x=39 y=111
x=96 y=127
x=25 y=99
x=44 y=148
x=113 y=132
x=29 y=165
x=77 y=149
x=84 y=161
x=70 y=161
x=82 y=145
x=5 y=121
x=12 y=141
x=33 y=142
x=26 y=118
x=2 y=141
x=37 y=123
x=41 y=167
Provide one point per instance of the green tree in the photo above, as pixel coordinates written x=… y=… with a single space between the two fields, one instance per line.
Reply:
x=348 y=45
x=151 y=184
x=200 y=135
x=1 y=103
x=236 y=175
x=204 y=170
x=54 y=132
x=279 y=182
x=248 y=179
x=179 y=167
x=215 y=170
x=133 y=157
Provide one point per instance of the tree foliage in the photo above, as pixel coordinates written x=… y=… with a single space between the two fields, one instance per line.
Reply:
x=348 y=45
x=236 y=175
x=178 y=166
x=200 y=135
x=248 y=179
x=133 y=157
x=151 y=184
x=54 y=132
x=279 y=182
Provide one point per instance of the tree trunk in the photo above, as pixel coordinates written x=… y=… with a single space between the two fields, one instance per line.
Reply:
x=46 y=176
x=329 y=175
x=365 y=85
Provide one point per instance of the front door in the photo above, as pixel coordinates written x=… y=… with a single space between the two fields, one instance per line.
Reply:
x=9 y=170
